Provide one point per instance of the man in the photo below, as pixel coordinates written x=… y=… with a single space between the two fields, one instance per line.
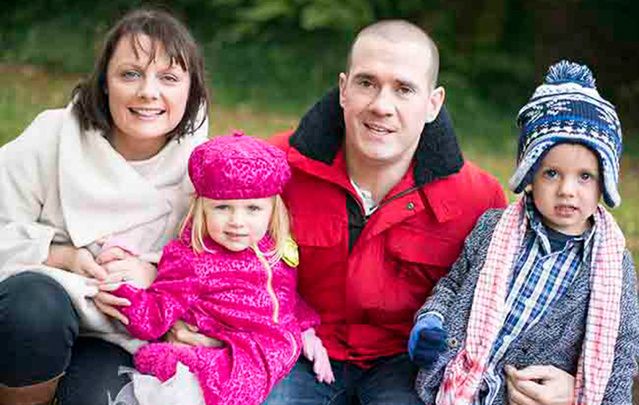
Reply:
x=381 y=202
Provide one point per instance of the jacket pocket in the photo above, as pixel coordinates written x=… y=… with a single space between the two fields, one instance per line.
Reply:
x=414 y=263
x=420 y=249
x=323 y=257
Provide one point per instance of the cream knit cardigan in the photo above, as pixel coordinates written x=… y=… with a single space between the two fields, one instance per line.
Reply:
x=60 y=184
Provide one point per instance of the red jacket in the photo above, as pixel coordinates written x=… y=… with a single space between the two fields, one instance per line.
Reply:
x=367 y=296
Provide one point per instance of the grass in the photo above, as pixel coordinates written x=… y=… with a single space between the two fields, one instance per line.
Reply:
x=25 y=91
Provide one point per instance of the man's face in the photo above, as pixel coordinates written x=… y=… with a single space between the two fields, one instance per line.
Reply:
x=387 y=98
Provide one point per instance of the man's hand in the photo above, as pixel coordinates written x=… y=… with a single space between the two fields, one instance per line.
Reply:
x=539 y=385
x=314 y=351
x=427 y=340
x=185 y=334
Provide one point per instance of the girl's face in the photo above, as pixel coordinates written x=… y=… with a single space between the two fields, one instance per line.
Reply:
x=147 y=97
x=238 y=224
x=566 y=188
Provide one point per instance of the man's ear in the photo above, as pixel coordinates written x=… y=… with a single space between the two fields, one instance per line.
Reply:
x=343 y=79
x=436 y=101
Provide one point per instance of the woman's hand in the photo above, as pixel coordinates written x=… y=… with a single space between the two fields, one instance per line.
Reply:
x=185 y=334
x=539 y=385
x=121 y=266
x=79 y=261
x=314 y=350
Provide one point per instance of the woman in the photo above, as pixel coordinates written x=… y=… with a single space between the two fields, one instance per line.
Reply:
x=90 y=194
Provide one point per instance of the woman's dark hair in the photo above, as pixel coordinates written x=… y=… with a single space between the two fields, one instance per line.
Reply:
x=91 y=105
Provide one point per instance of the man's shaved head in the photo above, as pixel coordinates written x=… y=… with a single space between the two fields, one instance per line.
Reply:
x=400 y=31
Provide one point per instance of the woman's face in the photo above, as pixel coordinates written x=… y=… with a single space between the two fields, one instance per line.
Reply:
x=147 y=98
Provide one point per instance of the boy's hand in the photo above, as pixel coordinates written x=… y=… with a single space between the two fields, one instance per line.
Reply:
x=427 y=340
x=539 y=385
x=314 y=351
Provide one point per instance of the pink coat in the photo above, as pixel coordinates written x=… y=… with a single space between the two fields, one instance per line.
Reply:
x=226 y=295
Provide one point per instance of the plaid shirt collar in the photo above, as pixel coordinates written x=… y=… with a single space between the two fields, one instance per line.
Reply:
x=585 y=240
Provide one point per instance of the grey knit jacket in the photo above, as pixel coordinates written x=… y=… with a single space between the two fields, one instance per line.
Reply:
x=555 y=340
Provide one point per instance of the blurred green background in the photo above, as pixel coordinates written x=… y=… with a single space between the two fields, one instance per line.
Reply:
x=269 y=60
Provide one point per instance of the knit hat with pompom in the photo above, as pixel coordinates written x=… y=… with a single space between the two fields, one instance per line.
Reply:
x=567 y=108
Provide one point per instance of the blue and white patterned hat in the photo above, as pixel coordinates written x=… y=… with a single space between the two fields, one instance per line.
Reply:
x=568 y=108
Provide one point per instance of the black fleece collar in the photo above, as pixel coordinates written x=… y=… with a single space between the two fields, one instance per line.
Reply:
x=320 y=134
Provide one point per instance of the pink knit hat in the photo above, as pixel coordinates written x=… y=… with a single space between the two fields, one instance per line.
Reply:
x=236 y=167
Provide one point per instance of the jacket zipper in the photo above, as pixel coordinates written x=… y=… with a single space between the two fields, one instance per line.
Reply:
x=384 y=202
x=269 y=284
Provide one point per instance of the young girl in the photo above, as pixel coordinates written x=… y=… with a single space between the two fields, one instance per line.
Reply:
x=548 y=281
x=231 y=275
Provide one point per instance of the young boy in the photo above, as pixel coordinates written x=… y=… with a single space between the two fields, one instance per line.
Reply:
x=547 y=281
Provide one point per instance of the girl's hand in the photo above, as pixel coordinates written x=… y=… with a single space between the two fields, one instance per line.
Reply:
x=314 y=350
x=539 y=385
x=111 y=254
x=185 y=334
x=107 y=303
x=79 y=261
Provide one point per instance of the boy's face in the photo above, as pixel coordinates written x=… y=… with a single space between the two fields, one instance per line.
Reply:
x=566 y=188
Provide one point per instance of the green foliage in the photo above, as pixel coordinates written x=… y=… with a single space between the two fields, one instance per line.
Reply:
x=344 y=15
x=275 y=75
x=282 y=54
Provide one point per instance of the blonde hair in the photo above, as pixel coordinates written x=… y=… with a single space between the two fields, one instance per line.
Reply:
x=278 y=228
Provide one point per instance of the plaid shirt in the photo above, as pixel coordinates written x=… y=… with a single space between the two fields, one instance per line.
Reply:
x=539 y=278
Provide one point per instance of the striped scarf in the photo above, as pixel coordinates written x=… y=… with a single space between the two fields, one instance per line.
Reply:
x=463 y=374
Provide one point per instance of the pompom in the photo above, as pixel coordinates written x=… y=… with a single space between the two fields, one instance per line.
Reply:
x=569 y=72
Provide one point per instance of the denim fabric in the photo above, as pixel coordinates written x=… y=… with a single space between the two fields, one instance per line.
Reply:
x=389 y=382
x=39 y=333
x=93 y=373
x=37 y=329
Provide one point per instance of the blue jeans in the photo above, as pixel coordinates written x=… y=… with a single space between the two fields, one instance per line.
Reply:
x=39 y=340
x=389 y=382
